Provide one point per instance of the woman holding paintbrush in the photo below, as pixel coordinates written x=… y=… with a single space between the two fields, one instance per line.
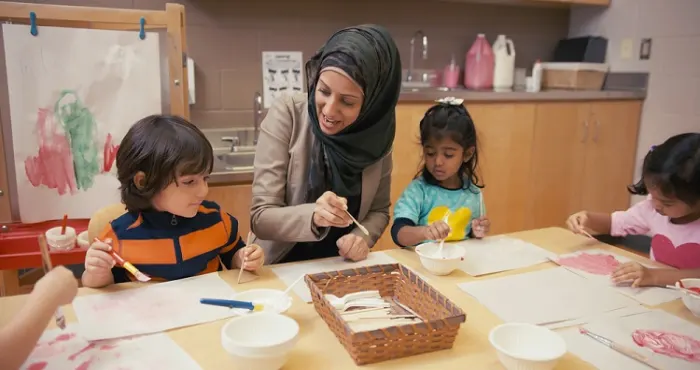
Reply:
x=323 y=165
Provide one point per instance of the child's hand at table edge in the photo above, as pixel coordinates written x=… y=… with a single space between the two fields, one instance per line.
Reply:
x=59 y=286
x=98 y=261
x=250 y=257
x=481 y=227
x=634 y=272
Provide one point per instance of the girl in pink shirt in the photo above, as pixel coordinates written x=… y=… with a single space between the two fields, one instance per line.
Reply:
x=670 y=214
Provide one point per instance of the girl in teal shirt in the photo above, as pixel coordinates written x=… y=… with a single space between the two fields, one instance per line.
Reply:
x=445 y=200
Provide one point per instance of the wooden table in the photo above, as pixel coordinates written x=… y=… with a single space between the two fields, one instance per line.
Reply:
x=319 y=349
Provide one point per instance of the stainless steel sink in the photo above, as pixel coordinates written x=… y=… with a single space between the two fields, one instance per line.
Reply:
x=238 y=161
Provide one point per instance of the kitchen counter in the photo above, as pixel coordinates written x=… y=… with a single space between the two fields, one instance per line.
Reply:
x=432 y=94
x=230 y=178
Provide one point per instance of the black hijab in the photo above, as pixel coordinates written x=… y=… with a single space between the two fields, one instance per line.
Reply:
x=368 y=54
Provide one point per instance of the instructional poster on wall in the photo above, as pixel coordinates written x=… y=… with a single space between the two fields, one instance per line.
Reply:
x=74 y=93
x=283 y=72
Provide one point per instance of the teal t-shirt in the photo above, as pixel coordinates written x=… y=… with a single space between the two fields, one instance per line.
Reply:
x=424 y=204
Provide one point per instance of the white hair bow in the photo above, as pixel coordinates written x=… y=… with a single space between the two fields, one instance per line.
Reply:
x=450 y=100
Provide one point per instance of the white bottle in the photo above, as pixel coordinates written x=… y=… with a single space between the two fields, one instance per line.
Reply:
x=536 y=77
x=504 y=67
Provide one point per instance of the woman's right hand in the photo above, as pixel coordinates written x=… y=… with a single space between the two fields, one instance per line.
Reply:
x=98 y=261
x=438 y=230
x=577 y=222
x=331 y=211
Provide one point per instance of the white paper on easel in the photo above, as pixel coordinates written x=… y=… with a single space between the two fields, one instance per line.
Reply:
x=500 y=253
x=677 y=342
x=289 y=273
x=67 y=349
x=152 y=308
x=597 y=265
x=283 y=73
x=545 y=296
x=73 y=94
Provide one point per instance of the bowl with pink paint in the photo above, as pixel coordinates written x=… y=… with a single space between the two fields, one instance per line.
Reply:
x=439 y=262
x=691 y=301
x=61 y=242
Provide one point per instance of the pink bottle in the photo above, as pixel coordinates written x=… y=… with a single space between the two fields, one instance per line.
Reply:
x=450 y=76
x=478 y=70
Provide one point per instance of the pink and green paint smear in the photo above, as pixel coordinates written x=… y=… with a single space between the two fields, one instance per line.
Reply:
x=68 y=157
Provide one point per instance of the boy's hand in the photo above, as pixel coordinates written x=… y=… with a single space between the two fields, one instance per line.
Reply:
x=634 y=272
x=438 y=230
x=58 y=286
x=577 y=222
x=481 y=227
x=250 y=258
x=98 y=261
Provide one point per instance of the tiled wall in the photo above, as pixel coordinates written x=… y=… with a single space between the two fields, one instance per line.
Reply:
x=673 y=100
x=226 y=38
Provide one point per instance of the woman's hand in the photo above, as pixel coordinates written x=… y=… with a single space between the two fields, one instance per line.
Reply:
x=438 y=230
x=353 y=247
x=481 y=227
x=250 y=258
x=634 y=272
x=331 y=211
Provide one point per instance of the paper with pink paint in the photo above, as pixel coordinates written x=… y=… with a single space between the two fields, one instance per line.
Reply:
x=152 y=308
x=545 y=296
x=597 y=265
x=67 y=349
x=73 y=94
x=669 y=342
x=500 y=253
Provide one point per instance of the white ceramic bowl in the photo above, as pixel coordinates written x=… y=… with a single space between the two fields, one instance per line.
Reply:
x=260 y=340
x=83 y=240
x=692 y=302
x=60 y=242
x=273 y=300
x=440 y=265
x=523 y=346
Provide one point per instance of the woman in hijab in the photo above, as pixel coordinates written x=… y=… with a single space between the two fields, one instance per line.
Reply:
x=323 y=157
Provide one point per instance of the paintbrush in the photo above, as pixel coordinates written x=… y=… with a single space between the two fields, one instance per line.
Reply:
x=140 y=276
x=64 y=224
x=618 y=347
x=48 y=266
x=248 y=241
x=230 y=303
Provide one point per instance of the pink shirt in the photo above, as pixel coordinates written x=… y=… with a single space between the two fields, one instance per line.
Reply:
x=671 y=244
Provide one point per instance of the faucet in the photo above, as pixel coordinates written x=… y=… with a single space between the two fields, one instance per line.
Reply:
x=409 y=76
x=257 y=116
x=234 y=140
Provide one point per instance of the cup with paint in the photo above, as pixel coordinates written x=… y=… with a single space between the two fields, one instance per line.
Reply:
x=61 y=241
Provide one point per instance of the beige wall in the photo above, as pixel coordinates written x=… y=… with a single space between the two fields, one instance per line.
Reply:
x=673 y=101
x=226 y=38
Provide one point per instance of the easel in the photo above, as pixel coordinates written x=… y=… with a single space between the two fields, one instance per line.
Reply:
x=172 y=19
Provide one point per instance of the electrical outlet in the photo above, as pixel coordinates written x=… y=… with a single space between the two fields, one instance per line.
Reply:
x=645 y=49
x=626 y=49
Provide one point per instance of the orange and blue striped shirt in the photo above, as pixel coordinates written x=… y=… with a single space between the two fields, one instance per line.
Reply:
x=169 y=247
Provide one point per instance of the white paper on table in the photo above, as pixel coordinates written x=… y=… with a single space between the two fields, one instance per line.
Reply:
x=73 y=95
x=152 y=308
x=620 y=312
x=620 y=330
x=500 y=253
x=67 y=349
x=545 y=296
x=289 y=273
x=651 y=296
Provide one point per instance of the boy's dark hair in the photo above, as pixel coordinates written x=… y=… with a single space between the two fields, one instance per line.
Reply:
x=162 y=147
x=453 y=121
x=673 y=167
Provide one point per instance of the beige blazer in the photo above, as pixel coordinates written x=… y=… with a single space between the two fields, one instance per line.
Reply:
x=279 y=216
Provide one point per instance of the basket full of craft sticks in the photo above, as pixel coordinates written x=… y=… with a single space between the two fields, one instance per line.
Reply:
x=384 y=312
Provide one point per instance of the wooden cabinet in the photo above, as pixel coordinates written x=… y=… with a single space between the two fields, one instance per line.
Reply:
x=234 y=199
x=537 y=3
x=583 y=158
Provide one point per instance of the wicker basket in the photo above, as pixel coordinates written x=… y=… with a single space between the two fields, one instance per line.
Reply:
x=441 y=317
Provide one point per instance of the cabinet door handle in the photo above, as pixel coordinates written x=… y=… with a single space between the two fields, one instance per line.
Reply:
x=597 y=130
x=585 y=131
